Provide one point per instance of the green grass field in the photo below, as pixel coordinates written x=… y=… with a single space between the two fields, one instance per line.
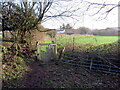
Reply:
x=96 y=40
x=0 y=35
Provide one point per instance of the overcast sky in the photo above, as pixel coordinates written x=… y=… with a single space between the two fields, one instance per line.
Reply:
x=81 y=16
x=86 y=20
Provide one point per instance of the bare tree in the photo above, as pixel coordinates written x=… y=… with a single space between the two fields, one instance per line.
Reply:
x=23 y=17
x=84 y=30
x=104 y=8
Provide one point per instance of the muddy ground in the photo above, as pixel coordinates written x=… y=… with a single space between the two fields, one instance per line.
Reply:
x=65 y=76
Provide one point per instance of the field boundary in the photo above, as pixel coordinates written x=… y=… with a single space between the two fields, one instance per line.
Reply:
x=93 y=61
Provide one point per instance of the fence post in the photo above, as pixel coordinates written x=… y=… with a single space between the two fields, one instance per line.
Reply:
x=54 y=45
x=55 y=51
x=73 y=43
x=91 y=64
x=38 y=52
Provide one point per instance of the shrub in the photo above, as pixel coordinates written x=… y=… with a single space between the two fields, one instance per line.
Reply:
x=13 y=68
x=52 y=33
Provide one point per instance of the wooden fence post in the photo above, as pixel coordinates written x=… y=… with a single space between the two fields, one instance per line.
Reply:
x=55 y=51
x=54 y=48
x=38 y=52
x=91 y=64
x=73 y=43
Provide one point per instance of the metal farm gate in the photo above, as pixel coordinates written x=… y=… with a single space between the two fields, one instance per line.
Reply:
x=107 y=63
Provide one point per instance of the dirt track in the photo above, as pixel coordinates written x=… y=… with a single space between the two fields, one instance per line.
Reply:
x=58 y=76
x=34 y=77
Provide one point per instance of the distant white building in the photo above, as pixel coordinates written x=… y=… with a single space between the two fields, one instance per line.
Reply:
x=60 y=30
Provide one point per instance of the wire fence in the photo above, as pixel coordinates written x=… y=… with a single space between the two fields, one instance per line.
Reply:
x=107 y=63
